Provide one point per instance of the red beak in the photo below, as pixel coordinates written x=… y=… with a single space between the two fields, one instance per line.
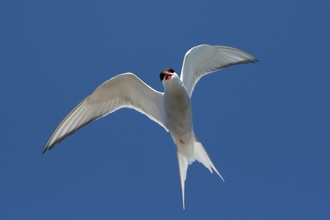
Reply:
x=168 y=76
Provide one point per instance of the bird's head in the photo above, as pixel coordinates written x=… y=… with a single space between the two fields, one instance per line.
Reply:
x=167 y=74
x=170 y=80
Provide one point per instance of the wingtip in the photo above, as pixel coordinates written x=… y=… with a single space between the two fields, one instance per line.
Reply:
x=46 y=148
x=252 y=59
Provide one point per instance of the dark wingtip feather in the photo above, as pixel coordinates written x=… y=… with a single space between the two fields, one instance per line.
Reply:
x=253 y=60
x=49 y=147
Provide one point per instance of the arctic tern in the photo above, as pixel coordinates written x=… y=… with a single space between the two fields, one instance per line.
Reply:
x=171 y=109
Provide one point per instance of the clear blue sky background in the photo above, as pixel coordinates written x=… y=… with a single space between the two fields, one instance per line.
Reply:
x=265 y=125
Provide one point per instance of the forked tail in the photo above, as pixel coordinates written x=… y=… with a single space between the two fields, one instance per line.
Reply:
x=201 y=156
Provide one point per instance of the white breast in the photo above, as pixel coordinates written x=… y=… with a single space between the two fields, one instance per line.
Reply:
x=177 y=107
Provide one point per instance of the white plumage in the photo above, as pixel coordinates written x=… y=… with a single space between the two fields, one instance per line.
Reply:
x=170 y=109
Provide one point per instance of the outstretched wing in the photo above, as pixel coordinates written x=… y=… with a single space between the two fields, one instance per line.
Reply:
x=204 y=59
x=124 y=90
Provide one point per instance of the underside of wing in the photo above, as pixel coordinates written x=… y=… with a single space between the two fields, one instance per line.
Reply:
x=204 y=59
x=123 y=90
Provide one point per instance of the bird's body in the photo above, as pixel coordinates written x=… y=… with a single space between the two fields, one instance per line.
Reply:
x=178 y=110
x=171 y=109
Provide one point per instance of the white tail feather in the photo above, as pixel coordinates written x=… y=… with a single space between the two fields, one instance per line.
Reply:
x=183 y=167
x=201 y=156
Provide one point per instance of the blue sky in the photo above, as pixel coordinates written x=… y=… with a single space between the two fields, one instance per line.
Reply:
x=265 y=125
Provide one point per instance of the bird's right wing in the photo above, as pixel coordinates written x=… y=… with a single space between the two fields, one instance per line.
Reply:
x=203 y=59
x=124 y=90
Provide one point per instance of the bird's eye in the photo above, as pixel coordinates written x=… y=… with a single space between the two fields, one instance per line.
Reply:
x=162 y=76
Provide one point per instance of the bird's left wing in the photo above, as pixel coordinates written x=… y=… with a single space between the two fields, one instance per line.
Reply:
x=203 y=59
x=124 y=90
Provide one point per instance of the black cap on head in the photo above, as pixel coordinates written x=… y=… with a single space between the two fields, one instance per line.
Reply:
x=162 y=74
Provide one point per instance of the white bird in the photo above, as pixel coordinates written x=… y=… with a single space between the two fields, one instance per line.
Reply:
x=170 y=109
